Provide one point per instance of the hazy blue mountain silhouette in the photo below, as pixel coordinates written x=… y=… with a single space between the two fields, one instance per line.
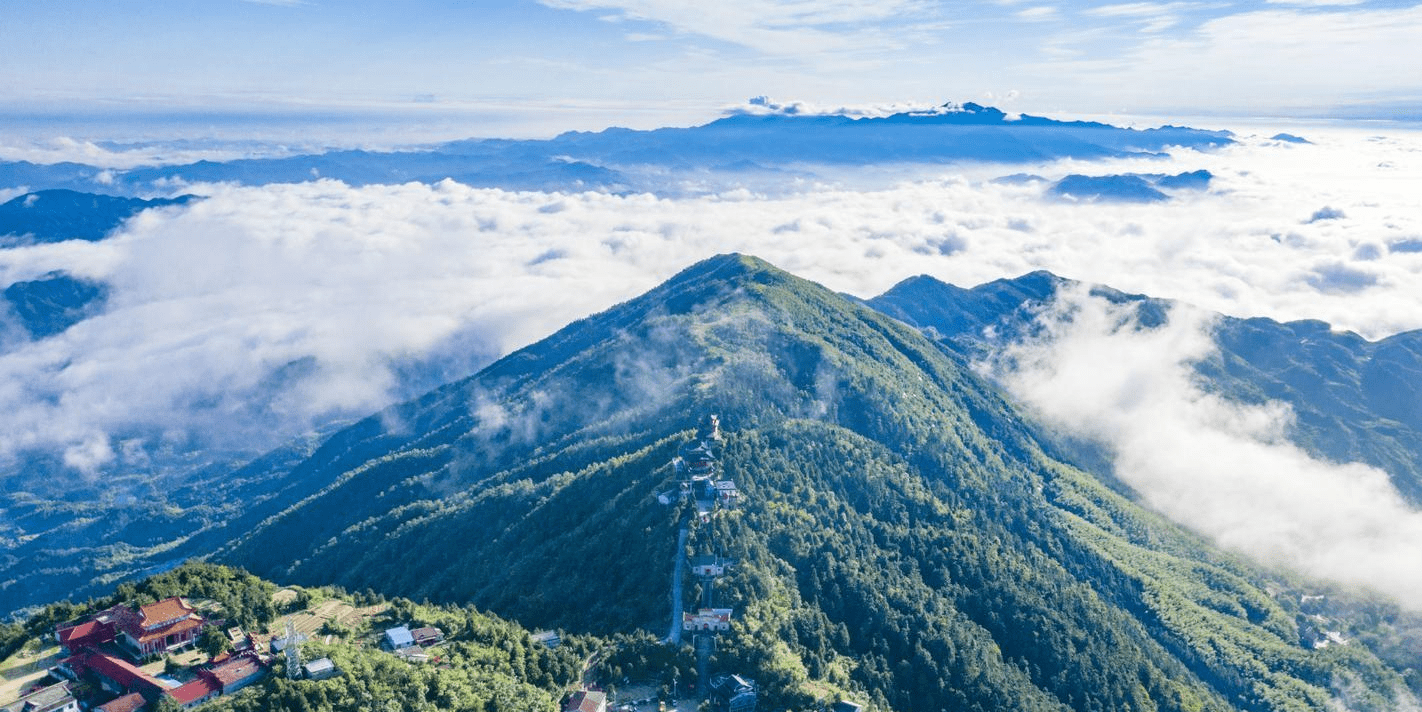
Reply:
x=1129 y=187
x=55 y=302
x=52 y=303
x=624 y=159
x=58 y=215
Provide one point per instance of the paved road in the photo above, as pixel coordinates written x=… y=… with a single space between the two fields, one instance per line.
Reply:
x=678 y=573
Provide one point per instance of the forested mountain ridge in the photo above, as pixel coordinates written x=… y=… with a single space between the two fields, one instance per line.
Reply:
x=1354 y=400
x=905 y=534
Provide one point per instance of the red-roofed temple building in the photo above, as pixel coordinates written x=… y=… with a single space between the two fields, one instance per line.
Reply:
x=194 y=693
x=159 y=627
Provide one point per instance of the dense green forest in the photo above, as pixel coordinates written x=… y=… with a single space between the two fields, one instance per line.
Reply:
x=1354 y=400
x=906 y=538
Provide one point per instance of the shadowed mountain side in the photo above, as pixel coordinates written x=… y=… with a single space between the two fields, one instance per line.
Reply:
x=1128 y=187
x=1355 y=400
x=49 y=305
x=624 y=159
x=57 y=215
x=902 y=533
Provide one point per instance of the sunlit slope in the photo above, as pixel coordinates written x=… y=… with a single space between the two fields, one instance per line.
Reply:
x=904 y=534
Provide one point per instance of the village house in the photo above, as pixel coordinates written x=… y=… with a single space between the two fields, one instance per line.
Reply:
x=319 y=669
x=732 y=693
x=398 y=638
x=132 y=702
x=55 y=698
x=425 y=637
x=223 y=678
x=587 y=701
x=193 y=693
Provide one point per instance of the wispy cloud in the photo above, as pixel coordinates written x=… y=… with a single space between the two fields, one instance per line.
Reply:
x=1219 y=467
x=303 y=302
x=1281 y=58
x=1040 y=12
x=1316 y=3
x=780 y=27
x=1152 y=17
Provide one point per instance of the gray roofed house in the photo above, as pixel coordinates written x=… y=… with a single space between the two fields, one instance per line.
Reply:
x=55 y=698
x=319 y=669
x=398 y=638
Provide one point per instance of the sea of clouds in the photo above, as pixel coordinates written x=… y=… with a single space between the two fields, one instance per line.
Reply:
x=259 y=313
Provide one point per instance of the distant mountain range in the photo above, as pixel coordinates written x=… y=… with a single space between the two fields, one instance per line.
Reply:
x=735 y=147
x=58 y=300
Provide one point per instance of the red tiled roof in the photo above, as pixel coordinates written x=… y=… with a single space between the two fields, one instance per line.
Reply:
x=128 y=703
x=89 y=632
x=164 y=612
x=181 y=626
x=235 y=670
x=120 y=671
x=193 y=691
x=585 y=701
x=157 y=621
x=426 y=634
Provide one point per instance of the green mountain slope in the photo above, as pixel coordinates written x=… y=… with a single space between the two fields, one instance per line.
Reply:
x=484 y=663
x=1354 y=400
x=904 y=537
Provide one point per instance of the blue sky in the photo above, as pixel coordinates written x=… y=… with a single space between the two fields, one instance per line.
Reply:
x=529 y=68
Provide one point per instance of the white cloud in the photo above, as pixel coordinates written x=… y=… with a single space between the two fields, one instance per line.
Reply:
x=1316 y=3
x=1040 y=12
x=1136 y=9
x=1221 y=468
x=108 y=156
x=1285 y=59
x=780 y=27
x=257 y=312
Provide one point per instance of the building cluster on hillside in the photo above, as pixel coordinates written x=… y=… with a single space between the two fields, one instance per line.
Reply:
x=104 y=649
x=154 y=629
x=695 y=467
x=411 y=644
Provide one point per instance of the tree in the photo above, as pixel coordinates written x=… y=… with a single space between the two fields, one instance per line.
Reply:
x=213 y=642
